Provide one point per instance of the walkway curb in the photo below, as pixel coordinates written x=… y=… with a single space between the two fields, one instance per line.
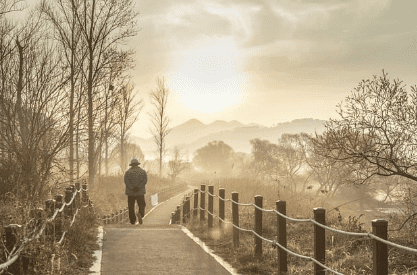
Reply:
x=223 y=263
x=96 y=268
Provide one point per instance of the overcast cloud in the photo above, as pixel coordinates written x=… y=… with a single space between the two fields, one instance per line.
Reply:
x=317 y=51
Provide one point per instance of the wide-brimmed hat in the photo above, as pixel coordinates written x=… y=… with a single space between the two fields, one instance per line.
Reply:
x=134 y=161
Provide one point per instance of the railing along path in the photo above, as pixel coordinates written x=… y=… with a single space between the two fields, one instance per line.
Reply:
x=121 y=216
x=379 y=229
x=52 y=226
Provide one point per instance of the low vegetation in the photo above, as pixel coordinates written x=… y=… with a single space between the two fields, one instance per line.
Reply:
x=348 y=255
x=75 y=254
x=72 y=256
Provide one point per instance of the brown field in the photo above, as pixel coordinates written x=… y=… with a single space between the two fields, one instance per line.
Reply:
x=345 y=254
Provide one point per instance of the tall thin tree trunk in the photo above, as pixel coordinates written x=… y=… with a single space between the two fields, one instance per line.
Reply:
x=91 y=166
x=122 y=154
x=161 y=149
x=71 y=125
x=26 y=165
x=77 y=141
x=91 y=171
x=106 y=146
x=71 y=118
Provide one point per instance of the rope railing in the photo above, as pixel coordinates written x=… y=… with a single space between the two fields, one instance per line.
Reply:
x=121 y=216
x=272 y=242
x=15 y=247
x=302 y=256
x=378 y=235
x=392 y=244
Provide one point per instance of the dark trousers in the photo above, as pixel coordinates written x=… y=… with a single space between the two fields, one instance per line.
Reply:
x=131 y=204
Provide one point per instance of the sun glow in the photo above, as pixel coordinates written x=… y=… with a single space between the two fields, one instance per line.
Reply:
x=208 y=78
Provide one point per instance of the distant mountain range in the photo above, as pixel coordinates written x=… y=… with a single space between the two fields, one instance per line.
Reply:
x=194 y=134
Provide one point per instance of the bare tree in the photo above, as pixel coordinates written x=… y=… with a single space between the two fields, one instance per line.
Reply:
x=33 y=107
x=7 y=6
x=176 y=165
x=127 y=114
x=103 y=24
x=375 y=134
x=292 y=159
x=62 y=16
x=131 y=150
x=328 y=173
x=159 y=118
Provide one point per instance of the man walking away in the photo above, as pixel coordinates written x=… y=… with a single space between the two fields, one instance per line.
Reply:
x=135 y=180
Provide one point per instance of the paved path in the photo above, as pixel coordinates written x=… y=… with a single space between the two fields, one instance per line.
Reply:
x=155 y=248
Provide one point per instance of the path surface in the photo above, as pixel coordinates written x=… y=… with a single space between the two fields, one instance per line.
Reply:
x=155 y=248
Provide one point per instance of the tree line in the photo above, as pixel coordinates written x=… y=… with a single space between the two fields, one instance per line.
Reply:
x=66 y=96
x=371 y=144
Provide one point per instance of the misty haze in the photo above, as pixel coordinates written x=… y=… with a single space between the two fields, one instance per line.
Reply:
x=208 y=137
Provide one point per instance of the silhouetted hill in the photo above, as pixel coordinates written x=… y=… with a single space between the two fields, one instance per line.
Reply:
x=194 y=134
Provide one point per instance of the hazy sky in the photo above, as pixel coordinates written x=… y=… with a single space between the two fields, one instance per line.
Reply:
x=269 y=61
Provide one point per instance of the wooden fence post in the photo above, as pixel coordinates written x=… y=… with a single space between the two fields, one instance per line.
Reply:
x=258 y=226
x=59 y=217
x=112 y=219
x=235 y=215
x=319 y=240
x=78 y=197
x=203 y=203
x=184 y=210
x=50 y=228
x=222 y=192
x=68 y=195
x=282 y=236
x=380 y=250
x=178 y=218
x=173 y=218
x=74 y=202
x=120 y=216
x=85 y=194
x=210 y=206
x=188 y=208
x=195 y=203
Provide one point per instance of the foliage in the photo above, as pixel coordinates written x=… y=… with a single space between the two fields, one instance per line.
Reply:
x=214 y=157
x=265 y=158
x=329 y=174
x=131 y=150
x=81 y=241
x=75 y=253
x=282 y=162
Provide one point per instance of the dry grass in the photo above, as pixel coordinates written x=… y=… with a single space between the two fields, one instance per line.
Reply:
x=348 y=255
x=75 y=255
x=108 y=194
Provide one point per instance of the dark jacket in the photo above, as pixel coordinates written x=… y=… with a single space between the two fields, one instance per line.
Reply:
x=135 y=181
